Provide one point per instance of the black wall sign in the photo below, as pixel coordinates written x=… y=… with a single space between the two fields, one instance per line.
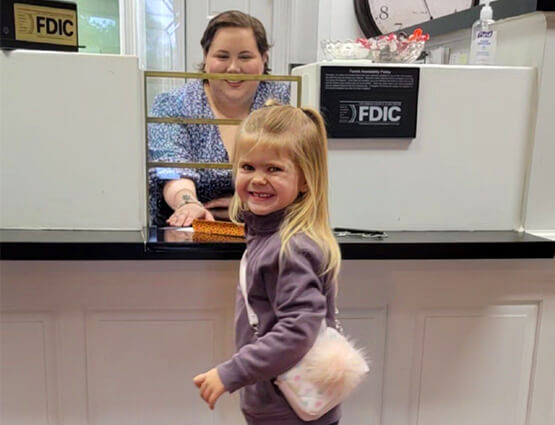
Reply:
x=369 y=102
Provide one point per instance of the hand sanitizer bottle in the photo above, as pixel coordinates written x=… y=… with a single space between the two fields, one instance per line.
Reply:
x=484 y=38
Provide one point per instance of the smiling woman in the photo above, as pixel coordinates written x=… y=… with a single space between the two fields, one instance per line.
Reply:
x=234 y=43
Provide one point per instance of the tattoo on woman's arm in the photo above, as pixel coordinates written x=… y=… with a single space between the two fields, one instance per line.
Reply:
x=188 y=199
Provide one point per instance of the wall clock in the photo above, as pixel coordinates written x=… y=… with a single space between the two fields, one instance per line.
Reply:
x=384 y=16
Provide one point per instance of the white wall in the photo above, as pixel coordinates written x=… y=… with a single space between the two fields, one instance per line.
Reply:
x=304 y=34
x=465 y=169
x=71 y=141
x=540 y=209
x=527 y=40
x=336 y=21
x=520 y=41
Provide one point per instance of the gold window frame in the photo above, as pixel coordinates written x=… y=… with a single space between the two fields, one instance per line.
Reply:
x=204 y=76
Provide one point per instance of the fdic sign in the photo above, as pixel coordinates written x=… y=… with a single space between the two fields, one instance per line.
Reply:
x=39 y=24
x=369 y=102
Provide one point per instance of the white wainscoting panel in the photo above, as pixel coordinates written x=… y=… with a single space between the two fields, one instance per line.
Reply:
x=474 y=366
x=28 y=393
x=368 y=329
x=461 y=342
x=141 y=364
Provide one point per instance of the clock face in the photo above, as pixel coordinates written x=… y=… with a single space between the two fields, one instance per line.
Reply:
x=385 y=16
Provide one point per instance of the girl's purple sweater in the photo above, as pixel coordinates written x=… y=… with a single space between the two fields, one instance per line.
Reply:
x=290 y=299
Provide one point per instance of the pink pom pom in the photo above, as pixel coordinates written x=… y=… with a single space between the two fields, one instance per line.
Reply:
x=333 y=363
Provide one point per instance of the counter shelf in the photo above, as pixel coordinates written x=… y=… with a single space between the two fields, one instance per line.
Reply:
x=133 y=245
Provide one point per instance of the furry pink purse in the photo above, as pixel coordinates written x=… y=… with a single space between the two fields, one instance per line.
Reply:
x=325 y=376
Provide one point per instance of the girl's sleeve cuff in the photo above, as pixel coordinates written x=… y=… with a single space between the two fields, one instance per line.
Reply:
x=231 y=375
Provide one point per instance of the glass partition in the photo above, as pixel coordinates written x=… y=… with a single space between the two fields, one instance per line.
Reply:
x=160 y=162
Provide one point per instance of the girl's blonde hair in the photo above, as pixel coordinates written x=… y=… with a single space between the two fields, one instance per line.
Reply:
x=299 y=133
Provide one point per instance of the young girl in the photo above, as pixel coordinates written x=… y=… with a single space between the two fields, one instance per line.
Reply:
x=281 y=187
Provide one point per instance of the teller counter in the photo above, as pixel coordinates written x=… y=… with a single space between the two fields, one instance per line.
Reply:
x=452 y=322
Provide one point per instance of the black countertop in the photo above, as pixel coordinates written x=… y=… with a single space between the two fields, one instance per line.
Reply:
x=168 y=244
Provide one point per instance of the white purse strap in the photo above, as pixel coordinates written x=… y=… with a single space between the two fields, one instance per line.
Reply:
x=253 y=318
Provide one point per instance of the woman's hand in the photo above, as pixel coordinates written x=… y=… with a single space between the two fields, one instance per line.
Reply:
x=181 y=195
x=185 y=214
x=218 y=202
x=210 y=385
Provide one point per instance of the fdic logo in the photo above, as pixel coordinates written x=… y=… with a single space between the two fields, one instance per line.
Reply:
x=45 y=24
x=379 y=113
x=54 y=26
x=375 y=112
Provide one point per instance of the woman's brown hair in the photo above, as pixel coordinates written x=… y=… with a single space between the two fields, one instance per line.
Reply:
x=237 y=19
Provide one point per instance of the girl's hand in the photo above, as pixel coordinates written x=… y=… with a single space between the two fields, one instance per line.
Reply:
x=184 y=215
x=210 y=385
x=218 y=202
